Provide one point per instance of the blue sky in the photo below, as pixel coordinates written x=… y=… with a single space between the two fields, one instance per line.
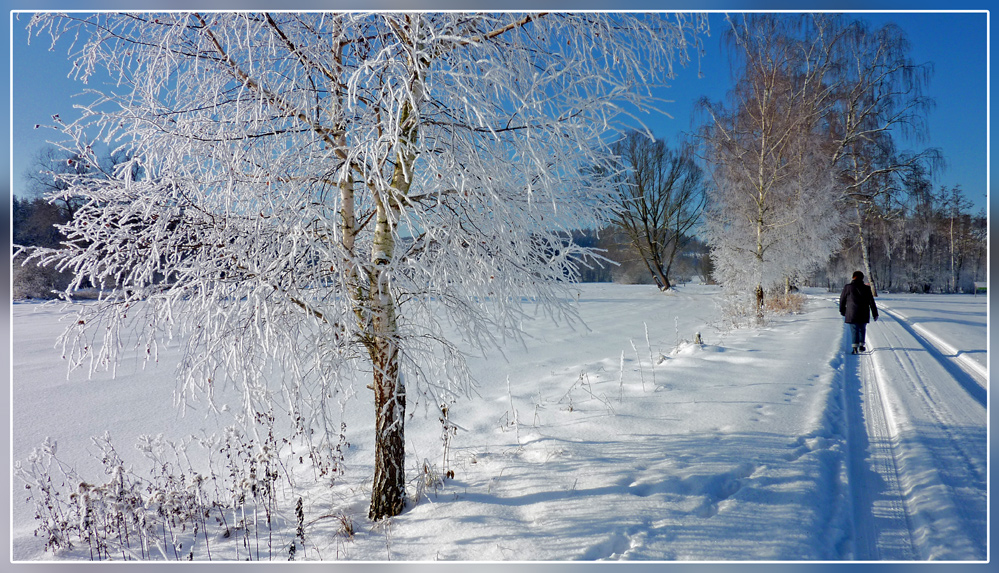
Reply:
x=956 y=44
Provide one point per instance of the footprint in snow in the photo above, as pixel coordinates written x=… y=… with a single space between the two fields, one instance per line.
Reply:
x=721 y=487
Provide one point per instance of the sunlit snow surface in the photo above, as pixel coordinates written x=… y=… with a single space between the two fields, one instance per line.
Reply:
x=619 y=439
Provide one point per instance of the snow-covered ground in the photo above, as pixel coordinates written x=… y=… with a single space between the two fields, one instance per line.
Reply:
x=620 y=441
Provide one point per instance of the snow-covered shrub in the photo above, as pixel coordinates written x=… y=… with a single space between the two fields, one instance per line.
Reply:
x=174 y=512
x=345 y=527
x=31 y=280
x=738 y=309
x=428 y=479
x=785 y=303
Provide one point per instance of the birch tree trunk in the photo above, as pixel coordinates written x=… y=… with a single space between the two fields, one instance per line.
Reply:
x=388 y=493
x=388 y=490
x=760 y=228
x=863 y=249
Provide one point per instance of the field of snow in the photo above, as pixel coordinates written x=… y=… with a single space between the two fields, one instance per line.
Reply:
x=621 y=440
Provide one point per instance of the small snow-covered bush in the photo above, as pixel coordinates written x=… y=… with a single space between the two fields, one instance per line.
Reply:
x=790 y=303
x=34 y=281
x=738 y=310
x=428 y=479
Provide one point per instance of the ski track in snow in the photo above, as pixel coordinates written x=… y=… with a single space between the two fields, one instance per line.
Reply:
x=943 y=350
x=917 y=443
x=881 y=523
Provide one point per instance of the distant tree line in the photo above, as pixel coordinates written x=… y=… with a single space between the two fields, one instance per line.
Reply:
x=34 y=223
x=930 y=242
x=35 y=220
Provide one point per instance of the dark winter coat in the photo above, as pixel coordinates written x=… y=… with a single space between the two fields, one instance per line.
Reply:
x=856 y=303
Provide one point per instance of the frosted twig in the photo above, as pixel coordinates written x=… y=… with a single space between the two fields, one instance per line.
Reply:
x=641 y=369
x=513 y=411
x=652 y=360
x=620 y=377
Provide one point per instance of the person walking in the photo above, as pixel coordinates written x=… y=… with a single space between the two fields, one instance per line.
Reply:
x=857 y=306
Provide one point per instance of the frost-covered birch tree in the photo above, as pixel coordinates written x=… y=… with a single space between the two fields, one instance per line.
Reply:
x=326 y=193
x=762 y=146
x=854 y=84
x=815 y=221
x=800 y=227
x=880 y=95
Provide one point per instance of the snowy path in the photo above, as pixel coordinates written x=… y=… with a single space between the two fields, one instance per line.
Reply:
x=918 y=455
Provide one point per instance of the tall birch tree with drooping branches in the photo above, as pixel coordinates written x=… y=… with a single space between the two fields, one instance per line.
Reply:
x=762 y=145
x=309 y=196
x=880 y=98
